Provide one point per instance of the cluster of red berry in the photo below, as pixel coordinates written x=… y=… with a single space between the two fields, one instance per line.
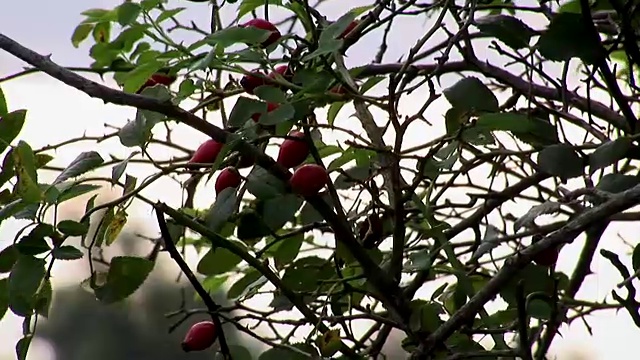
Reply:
x=256 y=78
x=307 y=179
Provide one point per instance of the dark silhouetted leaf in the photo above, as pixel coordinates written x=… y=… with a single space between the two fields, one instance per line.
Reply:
x=8 y=257
x=508 y=29
x=281 y=354
x=24 y=280
x=568 y=37
x=561 y=160
x=218 y=261
x=72 y=228
x=608 y=153
x=246 y=286
x=67 y=252
x=285 y=250
x=470 y=94
x=616 y=183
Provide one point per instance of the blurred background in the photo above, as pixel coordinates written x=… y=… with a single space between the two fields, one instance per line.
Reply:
x=79 y=326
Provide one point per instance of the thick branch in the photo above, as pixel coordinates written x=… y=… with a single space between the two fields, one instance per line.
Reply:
x=204 y=295
x=618 y=203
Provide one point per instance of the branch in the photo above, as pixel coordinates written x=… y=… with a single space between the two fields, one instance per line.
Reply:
x=220 y=241
x=204 y=295
x=618 y=203
x=607 y=75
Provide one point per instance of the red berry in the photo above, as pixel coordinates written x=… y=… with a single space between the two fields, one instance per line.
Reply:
x=264 y=25
x=207 y=152
x=251 y=81
x=229 y=177
x=163 y=79
x=293 y=152
x=283 y=70
x=349 y=28
x=546 y=257
x=338 y=89
x=309 y=179
x=156 y=79
x=200 y=336
x=270 y=108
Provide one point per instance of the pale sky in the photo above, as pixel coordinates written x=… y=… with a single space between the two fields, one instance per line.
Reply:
x=57 y=112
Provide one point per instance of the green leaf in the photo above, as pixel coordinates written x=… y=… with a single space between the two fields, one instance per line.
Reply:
x=240 y=352
x=24 y=166
x=560 y=160
x=516 y=123
x=67 y=252
x=74 y=191
x=306 y=274
x=85 y=162
x=166 y=14
x=568 y=37
x=128 y=12
x=248 y=6
x=3 y=105
x=264 y=185
x=34 y=243
x=72 y=228
x=221 y=209
x=115 y=226
x=351 y=176
x=536 y=279
x=4 y=297
x=539 y=309
x=10 y=125
x=126 y=274
x=508 y=29
x=24 y=281
x=285 y=250
x=43 y=299
x=8 y=257
x=313 y=80
x=213 y=283
x=277 y=211
x=324 y=48
x=12 y=209
x=234 y=35
x=608 y=153
x=218 y=261
x=635 y=258
x=333 y=111
x=135 y=78
x=336 y=28
x=244 y=108
x=425 y=316
x=470 y=94
x=283 y=353
x=281 y=114
x=270 y=94
x=80 y=33
x=98 y=238
x=247 y=286
x=616 y=183
x=118 y=170
x=251 y=226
